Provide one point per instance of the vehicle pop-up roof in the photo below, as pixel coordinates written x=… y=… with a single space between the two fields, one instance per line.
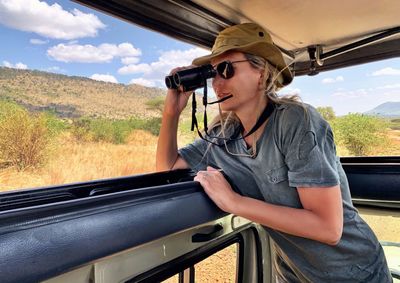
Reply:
x=318 y=35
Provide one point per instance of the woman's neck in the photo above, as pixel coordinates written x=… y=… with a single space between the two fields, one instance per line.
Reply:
x=249 y=113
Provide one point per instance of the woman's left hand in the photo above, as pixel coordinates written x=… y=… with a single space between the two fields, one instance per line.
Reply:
x=218 y=189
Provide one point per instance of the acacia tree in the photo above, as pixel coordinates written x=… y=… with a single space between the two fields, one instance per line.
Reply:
x=360 y=133
x=327 y=112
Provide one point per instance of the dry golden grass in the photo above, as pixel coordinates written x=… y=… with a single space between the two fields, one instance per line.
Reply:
x=77 y=162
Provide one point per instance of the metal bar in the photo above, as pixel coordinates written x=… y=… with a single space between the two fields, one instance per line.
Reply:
x=358 y=44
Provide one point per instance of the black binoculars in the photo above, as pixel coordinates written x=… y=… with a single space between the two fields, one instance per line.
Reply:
x=190 y=79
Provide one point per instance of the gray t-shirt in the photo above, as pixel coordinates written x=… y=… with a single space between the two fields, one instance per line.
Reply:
x=296 y=149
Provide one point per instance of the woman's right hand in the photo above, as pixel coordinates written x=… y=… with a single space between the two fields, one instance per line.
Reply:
x=176 y=99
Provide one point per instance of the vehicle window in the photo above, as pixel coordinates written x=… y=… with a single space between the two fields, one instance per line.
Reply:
x=80 y=102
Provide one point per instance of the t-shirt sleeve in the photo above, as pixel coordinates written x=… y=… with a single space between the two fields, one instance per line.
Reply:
x=306 y=141
x=196 y=155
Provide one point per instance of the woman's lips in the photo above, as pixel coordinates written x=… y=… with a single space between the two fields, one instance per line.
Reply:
x=220 y=96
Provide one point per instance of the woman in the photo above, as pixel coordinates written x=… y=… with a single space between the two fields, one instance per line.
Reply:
x=286 y=172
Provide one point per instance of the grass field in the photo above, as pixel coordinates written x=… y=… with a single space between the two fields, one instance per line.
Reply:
x=77 y=162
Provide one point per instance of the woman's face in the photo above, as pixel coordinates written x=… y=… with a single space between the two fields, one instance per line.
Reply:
x=244 y=86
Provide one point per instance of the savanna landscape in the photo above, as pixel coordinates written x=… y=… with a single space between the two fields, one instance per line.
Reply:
x=56 y=129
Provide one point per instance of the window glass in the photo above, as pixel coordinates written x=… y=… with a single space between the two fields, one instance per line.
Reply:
x=80 y=102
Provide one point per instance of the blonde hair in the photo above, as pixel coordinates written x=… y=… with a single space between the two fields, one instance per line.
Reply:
x=270 y=75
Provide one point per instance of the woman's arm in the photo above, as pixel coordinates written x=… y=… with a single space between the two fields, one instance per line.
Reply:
x=167 y=157
x=320 y=219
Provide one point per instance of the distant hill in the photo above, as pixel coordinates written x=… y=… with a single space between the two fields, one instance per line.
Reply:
x=71 y=97
x=387 y=109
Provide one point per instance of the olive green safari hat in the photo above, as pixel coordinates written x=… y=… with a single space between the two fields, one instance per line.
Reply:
x=253 y=39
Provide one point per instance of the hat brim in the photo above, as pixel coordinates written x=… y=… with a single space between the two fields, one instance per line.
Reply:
x=268 y=51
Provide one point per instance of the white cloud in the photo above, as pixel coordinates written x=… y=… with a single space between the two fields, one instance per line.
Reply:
x=351 y=93
x=394 y=86
x=18 y=65
x=7 y=64
x=135 y=69
x=333 y=80
x=129 y=60
x=156 y=71
x=36 y=41
x=92 y=54
x=387 y=72
x=55 y=69
x=48 y=20
x=290 y=91
x=143 y=82
x=104 y=78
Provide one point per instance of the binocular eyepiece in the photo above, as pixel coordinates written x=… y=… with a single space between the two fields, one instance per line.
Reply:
x=190 y=79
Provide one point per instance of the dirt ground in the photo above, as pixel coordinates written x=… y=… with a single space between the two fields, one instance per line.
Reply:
x=386 y=224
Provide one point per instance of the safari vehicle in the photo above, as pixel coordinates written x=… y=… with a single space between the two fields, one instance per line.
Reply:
x=161 y=226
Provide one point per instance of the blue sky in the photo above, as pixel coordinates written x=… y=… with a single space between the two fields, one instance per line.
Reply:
x=67 y=38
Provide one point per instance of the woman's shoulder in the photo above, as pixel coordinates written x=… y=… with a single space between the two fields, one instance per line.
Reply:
x=295 y=114
x=294 y=110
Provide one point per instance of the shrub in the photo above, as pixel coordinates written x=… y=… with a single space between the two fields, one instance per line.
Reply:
x=54 y=124
x=113 y=131
x=152 y=125
x=360 y=133
x=156 y=104
x=8 y=107
x=395 y=124
x=24 y=139
x=80 y=130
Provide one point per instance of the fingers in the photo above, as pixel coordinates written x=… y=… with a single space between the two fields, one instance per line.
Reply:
x=204 y=175
x=177 y=69
x=209 y=168
x=217 y=188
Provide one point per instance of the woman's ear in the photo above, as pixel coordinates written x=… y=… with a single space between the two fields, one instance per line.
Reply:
x=262 y=79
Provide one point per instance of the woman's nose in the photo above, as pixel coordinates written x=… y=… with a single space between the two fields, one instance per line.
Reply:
x=217 y=81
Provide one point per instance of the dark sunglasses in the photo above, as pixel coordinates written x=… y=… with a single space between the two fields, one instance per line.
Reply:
x=225 y=69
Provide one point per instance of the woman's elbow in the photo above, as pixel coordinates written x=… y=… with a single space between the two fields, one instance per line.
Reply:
x=334 y=235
